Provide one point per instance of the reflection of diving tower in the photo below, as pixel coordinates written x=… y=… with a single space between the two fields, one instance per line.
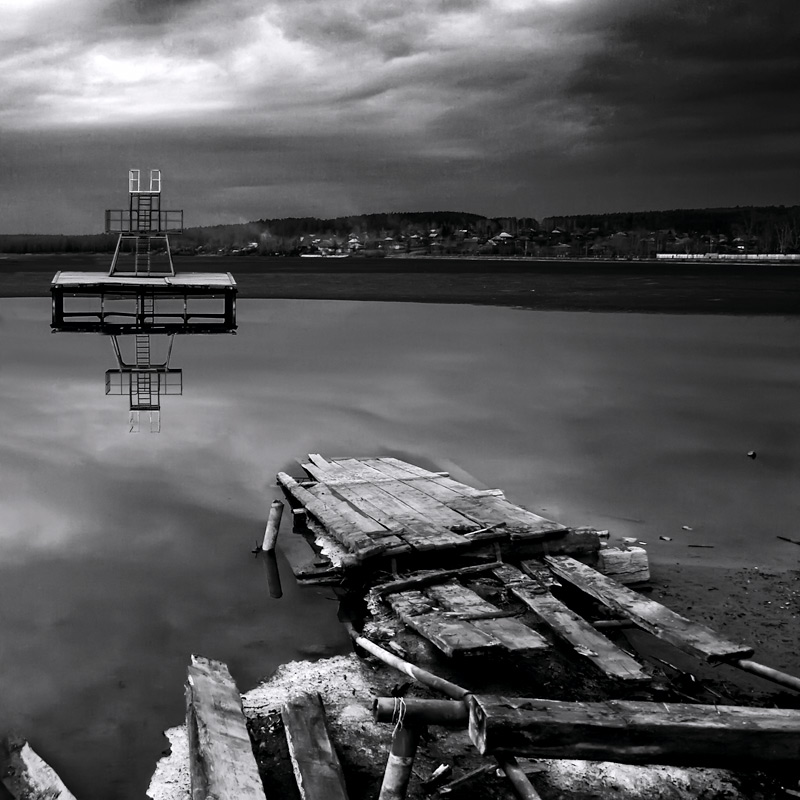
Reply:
x=143 y=378
x=143 y=223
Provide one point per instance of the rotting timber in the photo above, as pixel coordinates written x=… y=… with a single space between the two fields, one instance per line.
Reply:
x=513 y=642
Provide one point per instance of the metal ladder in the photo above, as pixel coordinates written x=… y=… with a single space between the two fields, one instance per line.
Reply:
x=144 y=224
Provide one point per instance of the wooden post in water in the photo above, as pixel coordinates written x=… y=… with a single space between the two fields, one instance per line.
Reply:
x=270 y=561
x=401 y=760
x=273 y=526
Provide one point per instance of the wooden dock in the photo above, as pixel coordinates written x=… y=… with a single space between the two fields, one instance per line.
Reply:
x=506 y=601
x=378 y=511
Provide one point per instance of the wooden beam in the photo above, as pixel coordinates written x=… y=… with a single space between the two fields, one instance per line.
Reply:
x=636 y=732
x=27 y=776
x=429 y=579
x=410 y=710
x=691 y=637
x=586 y=642
x=316 y=765
x=221 y=761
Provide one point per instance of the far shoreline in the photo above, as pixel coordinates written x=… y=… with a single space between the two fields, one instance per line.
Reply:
x=664 y=287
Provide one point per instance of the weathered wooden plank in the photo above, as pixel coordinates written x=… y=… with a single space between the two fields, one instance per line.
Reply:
x=26 y=775
x=659 y=620
x=572 y=628
x=454 y=637
x=430 y=578
x=388 y=510
x=405 y=471
x=427 y=507
x=316 y=765
x=519 y=522
x=378 y=533
x=636 y=732
x=512 y=634
x=221 y=761
x=334 y=518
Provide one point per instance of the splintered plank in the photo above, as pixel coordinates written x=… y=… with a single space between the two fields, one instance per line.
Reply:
x=453 y=636
x=391 y=512
x=511 y=633
x=404 y=471
x=520 y=523
x=680 y=734
x=26 y=775
x=316 y=765
x=691 y=637
x=572 y=628
x=342 y=523
x=221 y=761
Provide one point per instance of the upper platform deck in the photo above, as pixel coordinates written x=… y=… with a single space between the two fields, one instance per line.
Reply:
x=100 y=281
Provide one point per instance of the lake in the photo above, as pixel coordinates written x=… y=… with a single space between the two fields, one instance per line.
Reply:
x=125 y=553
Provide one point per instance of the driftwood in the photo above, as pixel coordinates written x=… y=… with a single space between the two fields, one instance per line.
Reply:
x=659 y=620
x=26 y=775
x=636 y=732
x=221 y=761
x=316 y=765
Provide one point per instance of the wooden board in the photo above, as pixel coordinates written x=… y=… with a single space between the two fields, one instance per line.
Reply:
x=512 y=634
x=454 y=637
x=336 y=519
x=691 y=637
x=572 y=628
x=316 y=765
x=389 y=511
x=519 y=522
x=221 y=761
x=26 y=775
x=636 y=732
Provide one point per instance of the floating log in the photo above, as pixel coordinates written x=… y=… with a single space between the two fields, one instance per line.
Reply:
x=691 y=637
x=413 y=710
x=317 y=769
x=400 y=763
x=572 y=628
x=26 y=775
x=273 y=526
x=636 y=732
x=221 y=761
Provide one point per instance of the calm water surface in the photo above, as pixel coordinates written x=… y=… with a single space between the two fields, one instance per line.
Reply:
x=123 y=554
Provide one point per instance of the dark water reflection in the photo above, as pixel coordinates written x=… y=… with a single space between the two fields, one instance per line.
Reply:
x=125 y=553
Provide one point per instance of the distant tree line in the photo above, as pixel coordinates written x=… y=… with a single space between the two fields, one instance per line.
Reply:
x=766 y=229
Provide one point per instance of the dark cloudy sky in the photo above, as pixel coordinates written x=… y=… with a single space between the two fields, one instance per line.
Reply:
x=270 y=108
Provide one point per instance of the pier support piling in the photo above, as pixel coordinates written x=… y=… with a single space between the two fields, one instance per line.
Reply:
x=273 y=526
x=400 y=762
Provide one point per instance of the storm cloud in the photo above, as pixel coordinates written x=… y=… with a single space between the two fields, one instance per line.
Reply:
x=305 y=107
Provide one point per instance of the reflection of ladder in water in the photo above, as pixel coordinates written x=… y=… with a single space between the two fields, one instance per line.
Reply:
x=143 y=383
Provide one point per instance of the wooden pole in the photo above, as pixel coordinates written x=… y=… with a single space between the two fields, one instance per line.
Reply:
x=519 y=780
x=768 y=673
x=273 y=575
x=419 y=674
x=413 y=710
x=273 y=526
x=400 y=762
